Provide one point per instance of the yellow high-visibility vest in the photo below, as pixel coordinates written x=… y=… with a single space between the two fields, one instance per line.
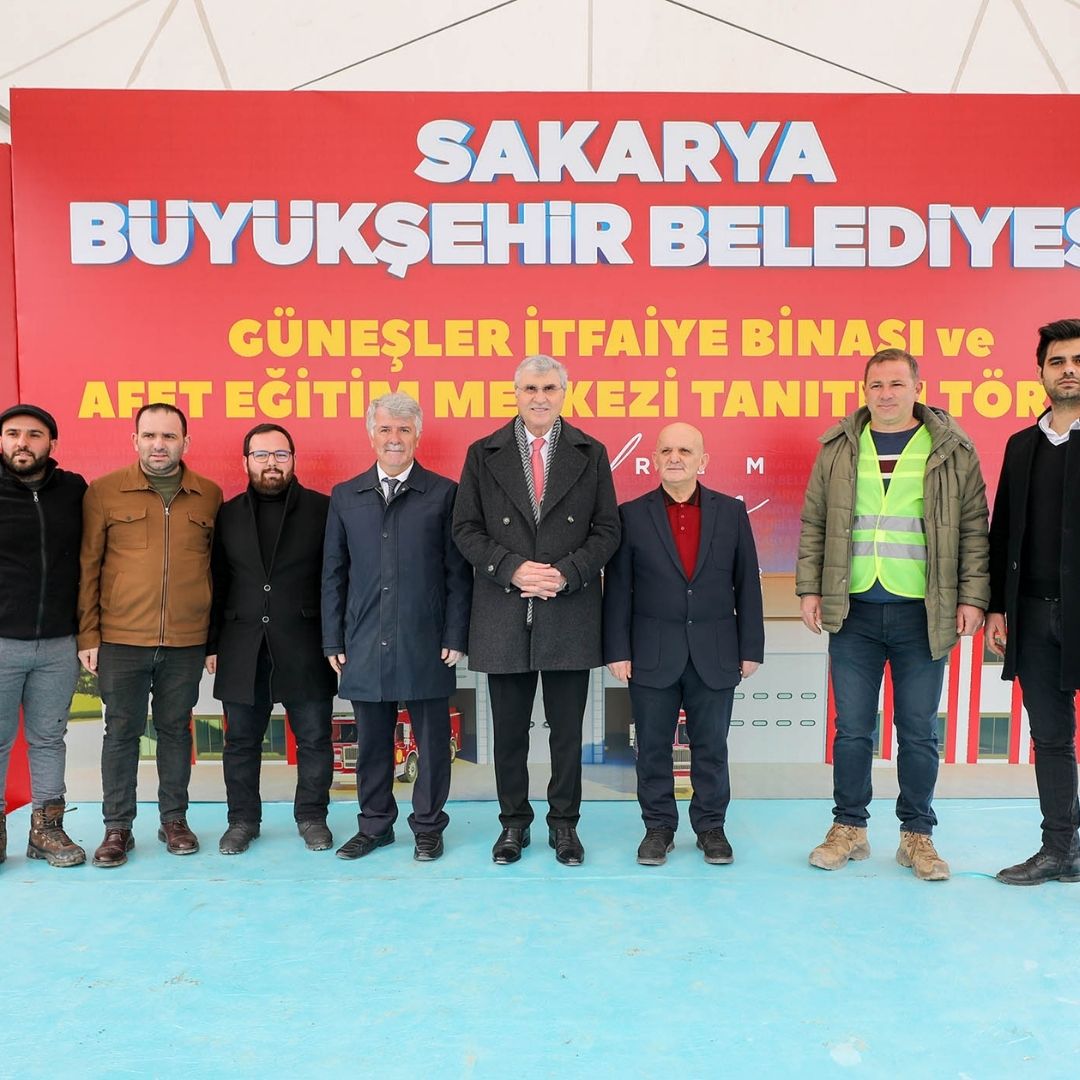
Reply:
x=889 y=534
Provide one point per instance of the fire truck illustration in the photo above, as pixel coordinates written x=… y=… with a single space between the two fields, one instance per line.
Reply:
x=406 y=754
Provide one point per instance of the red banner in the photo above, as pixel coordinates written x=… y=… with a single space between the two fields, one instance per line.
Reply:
x=18 y=776
x=726 y=260
x=8 y=379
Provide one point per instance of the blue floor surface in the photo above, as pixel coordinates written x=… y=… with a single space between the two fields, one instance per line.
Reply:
x=284 y=962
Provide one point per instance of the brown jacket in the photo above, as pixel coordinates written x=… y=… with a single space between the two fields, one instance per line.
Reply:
x=146 y=567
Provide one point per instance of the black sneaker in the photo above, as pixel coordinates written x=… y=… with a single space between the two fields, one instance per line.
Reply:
x=316 y=834
x=429 y=847
x=364 y=844
x=715 y=845
x=237 y=837
x=653 y=850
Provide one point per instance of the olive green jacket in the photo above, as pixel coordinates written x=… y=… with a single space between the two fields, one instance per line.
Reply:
x=954 y=510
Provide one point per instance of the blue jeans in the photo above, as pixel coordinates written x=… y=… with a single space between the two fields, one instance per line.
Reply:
x=127 y=676
x=870 y=635
x=39 y=675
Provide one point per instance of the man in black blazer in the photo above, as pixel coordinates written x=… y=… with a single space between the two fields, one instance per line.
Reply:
x=395 y=607
x=683 y=623
x=536 y=516
x=265 y=637
x=1033 y=620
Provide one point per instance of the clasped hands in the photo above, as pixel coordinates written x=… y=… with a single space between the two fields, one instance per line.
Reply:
x=536 y=580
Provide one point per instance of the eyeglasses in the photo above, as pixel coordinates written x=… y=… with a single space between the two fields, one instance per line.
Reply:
x=532 y=391
x=263 y=456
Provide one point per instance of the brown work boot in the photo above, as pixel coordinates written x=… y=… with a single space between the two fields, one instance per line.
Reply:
x=917 y=851
x=112 y=851
x=842 y=842
x=178 y=838
x=48 y=840
x=3 y=836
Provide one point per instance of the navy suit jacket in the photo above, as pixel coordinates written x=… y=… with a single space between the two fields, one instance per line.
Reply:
x=395 y=589
x=657 y=618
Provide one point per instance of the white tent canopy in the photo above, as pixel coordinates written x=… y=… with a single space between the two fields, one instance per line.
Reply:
x=699 y=45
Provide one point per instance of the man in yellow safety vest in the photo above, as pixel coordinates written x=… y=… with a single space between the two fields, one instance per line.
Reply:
x=893 y=564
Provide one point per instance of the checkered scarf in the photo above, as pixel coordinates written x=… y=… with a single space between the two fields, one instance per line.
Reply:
x=526 y=464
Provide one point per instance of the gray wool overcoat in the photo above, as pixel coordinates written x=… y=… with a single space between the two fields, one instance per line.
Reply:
x=578 y=532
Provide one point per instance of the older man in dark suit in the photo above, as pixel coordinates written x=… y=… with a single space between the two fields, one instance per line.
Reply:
x=536 y=516
x=683 y=624
x=395 y=609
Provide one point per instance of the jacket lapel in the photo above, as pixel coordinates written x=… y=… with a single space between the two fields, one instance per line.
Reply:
x=368 y=480
x=418 y=479
x=504 y=464
x=658 y=513
x=565 y=470
x=1025 y=458
x=292 y=495
x=708 y=524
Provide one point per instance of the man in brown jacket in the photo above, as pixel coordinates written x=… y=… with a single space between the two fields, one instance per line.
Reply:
x=144 y=611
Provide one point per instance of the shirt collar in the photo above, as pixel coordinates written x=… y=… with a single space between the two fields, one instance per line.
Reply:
x=694 y=500
x=1051 y=434
x=401 y=476
x=531 y=438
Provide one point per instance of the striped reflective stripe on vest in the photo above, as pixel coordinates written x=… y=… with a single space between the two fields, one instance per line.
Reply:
x=889 y=534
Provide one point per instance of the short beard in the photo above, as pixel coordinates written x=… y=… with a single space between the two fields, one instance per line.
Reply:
x=1064 y=397
x=275 y=485
x=26 y=472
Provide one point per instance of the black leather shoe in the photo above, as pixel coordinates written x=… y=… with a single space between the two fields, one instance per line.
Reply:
x=1043 y=866
x=113 y=850
x=237 y=837
x=178 y=838
x=508 y=847
x=316 y=834
x=568 y=848
x=364 y=844
x=653 y=850
x=715 y=845
x=429 y=847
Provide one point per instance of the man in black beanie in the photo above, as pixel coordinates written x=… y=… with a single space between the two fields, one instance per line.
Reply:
x=40 y=531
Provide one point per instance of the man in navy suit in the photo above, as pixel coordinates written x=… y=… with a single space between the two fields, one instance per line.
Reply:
x=683 y=623
x=396 y=594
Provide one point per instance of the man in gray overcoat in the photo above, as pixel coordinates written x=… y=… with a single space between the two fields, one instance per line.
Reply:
x=395 y=616
x=536 y=516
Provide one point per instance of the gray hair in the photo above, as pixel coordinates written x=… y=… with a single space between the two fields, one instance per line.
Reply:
x=397 y=405
x=541 y=364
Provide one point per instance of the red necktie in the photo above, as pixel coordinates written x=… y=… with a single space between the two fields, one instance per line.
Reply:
x=537 y=463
